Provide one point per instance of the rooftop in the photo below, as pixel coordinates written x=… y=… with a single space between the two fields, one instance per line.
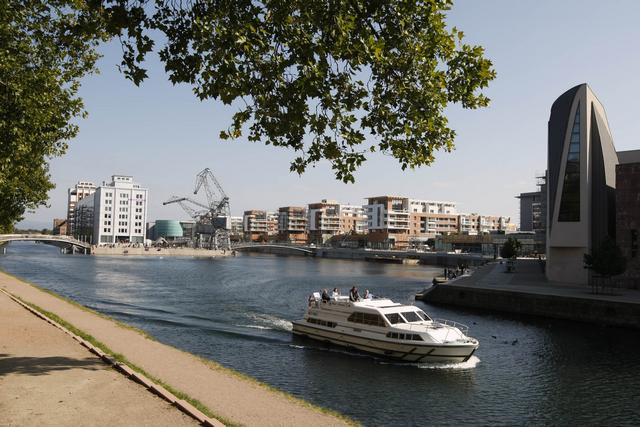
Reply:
x=630 y=156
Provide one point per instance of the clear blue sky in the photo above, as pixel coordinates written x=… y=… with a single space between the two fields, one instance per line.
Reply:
x=163 y=136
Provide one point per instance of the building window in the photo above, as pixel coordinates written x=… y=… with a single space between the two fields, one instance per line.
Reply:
x=570 y=201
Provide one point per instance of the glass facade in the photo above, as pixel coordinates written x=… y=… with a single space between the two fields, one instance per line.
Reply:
x=570 y=201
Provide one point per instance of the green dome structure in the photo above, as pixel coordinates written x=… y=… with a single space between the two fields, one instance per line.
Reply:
x=168 y=228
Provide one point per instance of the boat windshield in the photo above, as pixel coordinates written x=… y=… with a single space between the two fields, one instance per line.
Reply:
x=394 y=318
x=423 y=315
x=412 y=316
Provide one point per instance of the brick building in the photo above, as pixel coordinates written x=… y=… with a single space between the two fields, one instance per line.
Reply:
x=628 y=213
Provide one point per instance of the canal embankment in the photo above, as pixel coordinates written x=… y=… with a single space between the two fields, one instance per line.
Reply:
x=48 y=378
x=527 y=292
x=442 y=259
x=227 y=394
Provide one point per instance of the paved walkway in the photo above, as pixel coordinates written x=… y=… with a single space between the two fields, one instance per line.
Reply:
x=48 y=379
x=227 y=394
x=529 y=278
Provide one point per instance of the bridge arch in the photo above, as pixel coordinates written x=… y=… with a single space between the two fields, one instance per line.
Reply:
x=64 y=242
x=273 y=248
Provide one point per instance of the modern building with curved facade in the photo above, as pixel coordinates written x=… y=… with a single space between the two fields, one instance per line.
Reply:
x=581 y=183
x=168 y=228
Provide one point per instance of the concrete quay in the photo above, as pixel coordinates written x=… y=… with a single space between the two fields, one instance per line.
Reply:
x=528 y=292
x=442 y=259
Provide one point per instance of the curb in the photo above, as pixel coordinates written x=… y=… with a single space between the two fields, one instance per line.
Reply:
x=125 y=370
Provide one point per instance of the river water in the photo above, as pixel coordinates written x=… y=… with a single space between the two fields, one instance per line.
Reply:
x=237 y=311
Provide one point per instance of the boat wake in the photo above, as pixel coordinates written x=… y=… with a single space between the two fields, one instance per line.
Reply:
x=469 y=364
x=256 y=327
x=266 y=322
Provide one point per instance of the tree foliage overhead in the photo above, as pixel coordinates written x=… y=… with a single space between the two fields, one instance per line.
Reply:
x=329 y=79
x=42 y=58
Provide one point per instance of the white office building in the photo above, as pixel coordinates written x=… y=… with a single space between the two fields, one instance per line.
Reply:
x=117 y=212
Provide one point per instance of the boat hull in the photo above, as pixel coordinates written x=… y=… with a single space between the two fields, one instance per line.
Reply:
x=403 y=352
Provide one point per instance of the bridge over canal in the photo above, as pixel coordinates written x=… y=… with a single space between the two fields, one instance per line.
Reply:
x=279 y=249
x=66 y=243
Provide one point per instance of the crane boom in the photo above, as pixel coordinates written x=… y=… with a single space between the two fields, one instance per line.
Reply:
x=217 y=206
x=202 y=179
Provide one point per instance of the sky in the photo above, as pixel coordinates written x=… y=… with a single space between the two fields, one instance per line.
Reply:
x=163 y=136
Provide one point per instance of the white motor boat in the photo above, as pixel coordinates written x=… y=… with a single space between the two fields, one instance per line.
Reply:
x=382 y=327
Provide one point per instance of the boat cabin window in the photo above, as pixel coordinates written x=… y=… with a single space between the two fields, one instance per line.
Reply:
x=394 y=318
x=397 y=336
x=321 y=322
x=367 y=319
x=411 y=316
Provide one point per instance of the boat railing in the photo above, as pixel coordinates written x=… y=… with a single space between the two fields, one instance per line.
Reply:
x=463 y=328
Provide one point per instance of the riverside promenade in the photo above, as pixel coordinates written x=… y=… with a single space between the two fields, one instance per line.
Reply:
x=229 y=396
x=527 y=291
x=48 y=379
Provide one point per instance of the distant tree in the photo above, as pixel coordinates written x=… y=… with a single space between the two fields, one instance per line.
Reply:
x=510 y=248
x=606 y=260
x=330 y=80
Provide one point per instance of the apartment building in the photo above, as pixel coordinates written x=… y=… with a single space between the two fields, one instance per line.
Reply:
x=431 y=218
x=424 y=225
x=329 y=218
x=353 y=219
x=236 y=228
x=388 y=221
x=74 y=194
x=400 y=221
x=481 y=224
x=432 y=207
x=323 y=221
x=292 y=224
x=115 y=213
x=255 y=225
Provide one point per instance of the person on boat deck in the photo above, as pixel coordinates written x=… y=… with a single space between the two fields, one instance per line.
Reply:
x=354 y=295
x=367 y=294
x=312 y=299
x=335 y=294
x=325 y=296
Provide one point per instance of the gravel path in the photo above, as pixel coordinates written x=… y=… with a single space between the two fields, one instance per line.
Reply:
x=48 y=379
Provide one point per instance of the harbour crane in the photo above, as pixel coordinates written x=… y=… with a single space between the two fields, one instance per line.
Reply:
x=215 y=214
